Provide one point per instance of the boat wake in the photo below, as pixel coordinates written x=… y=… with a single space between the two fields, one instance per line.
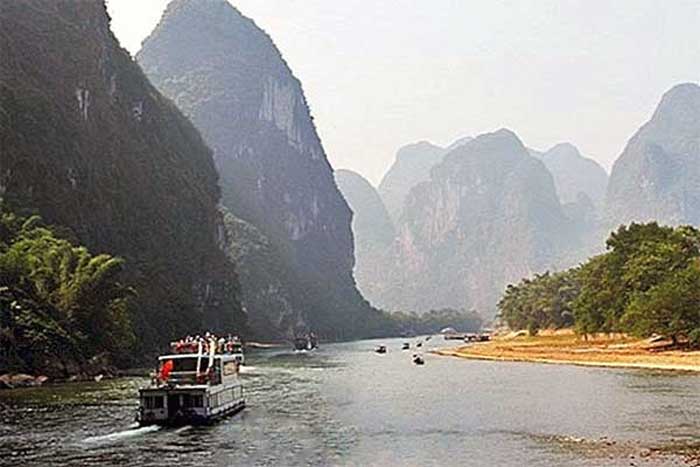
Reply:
x=183 y=429
x=248 y=369
x=112 y=437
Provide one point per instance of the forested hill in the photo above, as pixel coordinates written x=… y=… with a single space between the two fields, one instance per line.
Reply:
x=93 y=148
x=227 y=75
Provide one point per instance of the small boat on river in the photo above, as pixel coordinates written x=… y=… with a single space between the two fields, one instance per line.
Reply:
x=406 y=346
x=305 y=342
x=418 y=360
x=197 y=383
x=381 y=349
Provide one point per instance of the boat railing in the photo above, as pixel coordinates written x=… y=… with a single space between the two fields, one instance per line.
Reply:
x=182 y=377
x=191 y=377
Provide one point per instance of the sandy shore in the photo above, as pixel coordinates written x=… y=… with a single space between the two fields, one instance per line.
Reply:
x=564 y=347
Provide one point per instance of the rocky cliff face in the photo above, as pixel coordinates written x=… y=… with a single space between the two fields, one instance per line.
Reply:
x=371 y=227
x=488 y=215
x=574 y=174
x=658 y=174
x=264 y=281
x=226 y=74
x=411 y=167
x=90 y=145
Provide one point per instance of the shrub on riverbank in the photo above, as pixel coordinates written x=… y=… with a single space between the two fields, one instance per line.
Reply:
x=648 y=282
x=60 y=306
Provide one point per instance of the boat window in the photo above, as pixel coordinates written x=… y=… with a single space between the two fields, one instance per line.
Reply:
x=186 y=400
x=153 y=402
x=186 y=364
x=197 y=401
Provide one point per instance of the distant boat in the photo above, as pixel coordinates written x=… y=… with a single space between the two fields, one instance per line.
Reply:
x=380 y=349
x=406 y=346
x=301 y=343
x=307 y=342
x=420 y=344
x=477 y=337
x=418 y=360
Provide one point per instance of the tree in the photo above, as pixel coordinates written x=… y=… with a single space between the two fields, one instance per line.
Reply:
x=57 y=298
x=639 y=257
x=542 y=302
x=671 y=308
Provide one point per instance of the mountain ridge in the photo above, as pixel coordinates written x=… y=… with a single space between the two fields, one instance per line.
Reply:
x=489 y=214
x=228 y=76
x=93 y=148
x=655 y=176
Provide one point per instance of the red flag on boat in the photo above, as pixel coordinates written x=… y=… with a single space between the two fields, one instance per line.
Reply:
x=166 y=369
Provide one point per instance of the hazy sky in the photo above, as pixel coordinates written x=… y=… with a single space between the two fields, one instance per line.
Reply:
x=379 y=74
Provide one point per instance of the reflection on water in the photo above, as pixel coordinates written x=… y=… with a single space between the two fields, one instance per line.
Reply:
x=345 y=405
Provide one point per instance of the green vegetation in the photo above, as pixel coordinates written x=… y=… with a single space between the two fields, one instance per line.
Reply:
x=59 y=305
x=546 y=301
x=648 y=282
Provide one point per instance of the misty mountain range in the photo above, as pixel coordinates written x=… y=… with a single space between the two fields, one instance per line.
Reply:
x=200 y=164
x=470 y=218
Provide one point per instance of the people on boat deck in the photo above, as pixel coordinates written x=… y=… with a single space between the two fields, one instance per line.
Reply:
x=191 y=344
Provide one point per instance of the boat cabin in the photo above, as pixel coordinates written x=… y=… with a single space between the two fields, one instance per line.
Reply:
x=192 y=388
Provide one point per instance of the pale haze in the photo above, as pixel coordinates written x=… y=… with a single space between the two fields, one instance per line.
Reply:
x=383 y=73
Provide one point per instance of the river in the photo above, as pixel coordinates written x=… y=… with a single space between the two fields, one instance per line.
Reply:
x=345 y=405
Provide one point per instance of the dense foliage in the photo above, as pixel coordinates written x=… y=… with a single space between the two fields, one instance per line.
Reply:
x=546 y=301
x=647 y=282
x=59 y=304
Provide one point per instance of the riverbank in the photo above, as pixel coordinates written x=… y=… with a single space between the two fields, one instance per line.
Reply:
x=563 y=347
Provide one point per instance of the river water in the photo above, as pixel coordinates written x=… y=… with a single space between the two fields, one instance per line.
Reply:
x=345 y=405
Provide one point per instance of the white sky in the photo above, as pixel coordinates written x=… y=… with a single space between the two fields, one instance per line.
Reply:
x=379 y=74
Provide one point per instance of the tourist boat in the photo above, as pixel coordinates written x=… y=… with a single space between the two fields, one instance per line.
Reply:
x=406 y=346
x=305 y=342
x=197 y=383
x=418 y=360
x=381 y=349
